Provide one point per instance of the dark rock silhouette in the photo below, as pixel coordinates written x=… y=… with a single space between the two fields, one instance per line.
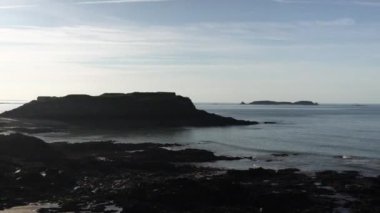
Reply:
x=305 y=103
x=26 y=147
x=283 y=103
x=92 y=176
x=134 y=109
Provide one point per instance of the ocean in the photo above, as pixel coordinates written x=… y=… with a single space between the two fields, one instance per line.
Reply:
x=311 y=138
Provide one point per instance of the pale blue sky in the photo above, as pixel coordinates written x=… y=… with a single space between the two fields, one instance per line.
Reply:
x=210 y=50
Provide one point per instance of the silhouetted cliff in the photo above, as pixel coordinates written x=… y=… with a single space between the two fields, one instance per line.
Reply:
x=134 y=109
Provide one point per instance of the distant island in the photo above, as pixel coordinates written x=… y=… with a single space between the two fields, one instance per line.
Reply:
x=133 y=109
x=307 y=103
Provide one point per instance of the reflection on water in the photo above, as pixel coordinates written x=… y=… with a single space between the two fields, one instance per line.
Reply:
x=135 y=135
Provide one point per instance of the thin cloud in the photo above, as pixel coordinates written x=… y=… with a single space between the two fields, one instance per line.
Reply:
x=296 y=1
x=291 y=1
x=375 y=3
x=10 y=7
x=330 y=23
x=368 y=3
x=118 y=1
x=202 y=43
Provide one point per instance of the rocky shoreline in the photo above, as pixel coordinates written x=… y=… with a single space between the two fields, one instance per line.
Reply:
x=110 y=177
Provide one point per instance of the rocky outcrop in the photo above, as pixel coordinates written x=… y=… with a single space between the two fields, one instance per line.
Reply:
x=26 y=148
x=134 y=109
x=94 y=176
x=283 y=103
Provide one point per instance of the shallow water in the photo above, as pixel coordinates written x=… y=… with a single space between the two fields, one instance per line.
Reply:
x=339 y=137
x=8 y=105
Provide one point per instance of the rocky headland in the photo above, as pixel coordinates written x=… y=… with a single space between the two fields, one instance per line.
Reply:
x=114 y=109
x=141 y=178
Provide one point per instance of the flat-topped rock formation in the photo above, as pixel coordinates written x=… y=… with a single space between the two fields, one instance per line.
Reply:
x=134 y=109
x=284 y=103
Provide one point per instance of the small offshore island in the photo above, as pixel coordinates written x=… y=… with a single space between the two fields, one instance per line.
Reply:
x=104 y=176
x=118 y=109
x=304 y=103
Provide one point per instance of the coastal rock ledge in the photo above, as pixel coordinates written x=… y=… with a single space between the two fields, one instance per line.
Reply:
x=133 y=109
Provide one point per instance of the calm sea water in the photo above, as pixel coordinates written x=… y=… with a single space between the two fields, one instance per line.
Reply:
x=8 y=105
x=339 y=137
x=342 y=137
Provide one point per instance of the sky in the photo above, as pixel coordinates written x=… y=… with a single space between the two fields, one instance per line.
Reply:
x=209 y=50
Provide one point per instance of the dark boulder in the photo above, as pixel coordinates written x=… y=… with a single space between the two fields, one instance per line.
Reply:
x=27 y=148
